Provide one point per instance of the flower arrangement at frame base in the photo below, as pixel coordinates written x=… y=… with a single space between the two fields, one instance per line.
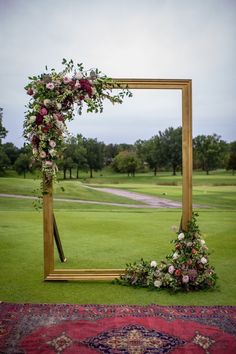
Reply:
x=53 y=99
x=186 y=268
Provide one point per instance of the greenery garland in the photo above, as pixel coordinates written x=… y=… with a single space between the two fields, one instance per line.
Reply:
x=185 y=268
x=53 y=98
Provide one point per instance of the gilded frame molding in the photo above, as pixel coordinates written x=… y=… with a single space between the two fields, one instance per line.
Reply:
x=52 y=274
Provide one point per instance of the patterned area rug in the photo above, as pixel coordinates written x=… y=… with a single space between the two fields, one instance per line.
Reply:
x=123 y=329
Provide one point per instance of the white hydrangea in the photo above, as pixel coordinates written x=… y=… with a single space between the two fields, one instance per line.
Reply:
x=181 y=236
x=157 y=283
x=203 y=260
x=153 y=264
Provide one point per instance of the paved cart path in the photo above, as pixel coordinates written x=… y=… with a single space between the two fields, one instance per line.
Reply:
x=148 y=201
x=152 y=202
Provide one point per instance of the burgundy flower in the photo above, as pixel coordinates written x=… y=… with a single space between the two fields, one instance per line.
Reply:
x=35 y=140
x=46 y=128
x=192 y=273
x=39 y=119
x=30 y=92
x=86 y=86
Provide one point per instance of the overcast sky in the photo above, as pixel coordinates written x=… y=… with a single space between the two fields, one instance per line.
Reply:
x=125 y=38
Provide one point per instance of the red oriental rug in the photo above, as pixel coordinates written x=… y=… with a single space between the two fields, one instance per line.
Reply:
x=122 y=329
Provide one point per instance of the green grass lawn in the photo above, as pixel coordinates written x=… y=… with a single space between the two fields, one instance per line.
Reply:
x=103 y=236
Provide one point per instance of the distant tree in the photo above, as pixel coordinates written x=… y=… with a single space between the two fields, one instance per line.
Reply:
x=171 y=146
x=232 y=157
x=4 y=161
x=12 y=152
x=94 y=155
x=151 y=152
x=3 y=131
x=79 y=156
x=126 y=162
x=23 y=164
x=209 y=149
x=110 y=151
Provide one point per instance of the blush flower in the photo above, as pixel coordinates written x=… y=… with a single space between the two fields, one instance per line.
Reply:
x=50 y=86
x=171 y=269
x=52 y=143
x=185 y=279
x=48 y=163
x=66 y=80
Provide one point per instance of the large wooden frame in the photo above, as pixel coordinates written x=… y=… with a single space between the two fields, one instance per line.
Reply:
x=108 y=274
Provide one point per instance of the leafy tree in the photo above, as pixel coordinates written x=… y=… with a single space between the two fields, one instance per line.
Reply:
x=232 y=157
x=127 y=162
x=3 y=131
x=79 y=156
x=94 y=155
x=4 y=161
x=151 y=152
x=110 y=151
x=11 y=151
x=23 y=164
x=208 y=149
x=171 y=144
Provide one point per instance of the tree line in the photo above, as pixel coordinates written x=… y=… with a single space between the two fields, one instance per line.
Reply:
x=162 y=152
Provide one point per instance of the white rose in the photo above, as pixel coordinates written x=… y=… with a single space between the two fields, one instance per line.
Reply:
x=181 y=236
x=52 y=152
x=58 y=105
x=47 y=102
x=32 y=119
x=153 y=264
x=157 y=283
x=202 y=242
x=203 y=260
x=175 y=255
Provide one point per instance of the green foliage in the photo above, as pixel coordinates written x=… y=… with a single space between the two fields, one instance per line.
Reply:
x=231 y=165
x=23 y=164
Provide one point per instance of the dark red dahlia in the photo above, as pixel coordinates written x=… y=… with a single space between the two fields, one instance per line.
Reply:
x=86 y=86
x=39 y=119
x=35 y=140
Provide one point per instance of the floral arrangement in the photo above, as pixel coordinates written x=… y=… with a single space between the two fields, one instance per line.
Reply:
x=186 y=268
x=53 y=97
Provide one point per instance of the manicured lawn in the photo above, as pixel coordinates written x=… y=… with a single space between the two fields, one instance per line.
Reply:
x=104 y=237
x=110 y=236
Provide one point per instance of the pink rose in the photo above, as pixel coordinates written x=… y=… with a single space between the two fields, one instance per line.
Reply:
x=50 y=86
x=48 y=163
x=52 y=143
x=171 y=269
x=66 y=80
x=77 y=84
x=43 y=111
x=185 y=279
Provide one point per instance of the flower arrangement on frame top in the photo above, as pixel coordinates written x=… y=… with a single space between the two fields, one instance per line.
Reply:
x=53 y=100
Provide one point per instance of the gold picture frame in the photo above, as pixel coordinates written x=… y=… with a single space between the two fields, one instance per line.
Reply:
x=52 y=274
